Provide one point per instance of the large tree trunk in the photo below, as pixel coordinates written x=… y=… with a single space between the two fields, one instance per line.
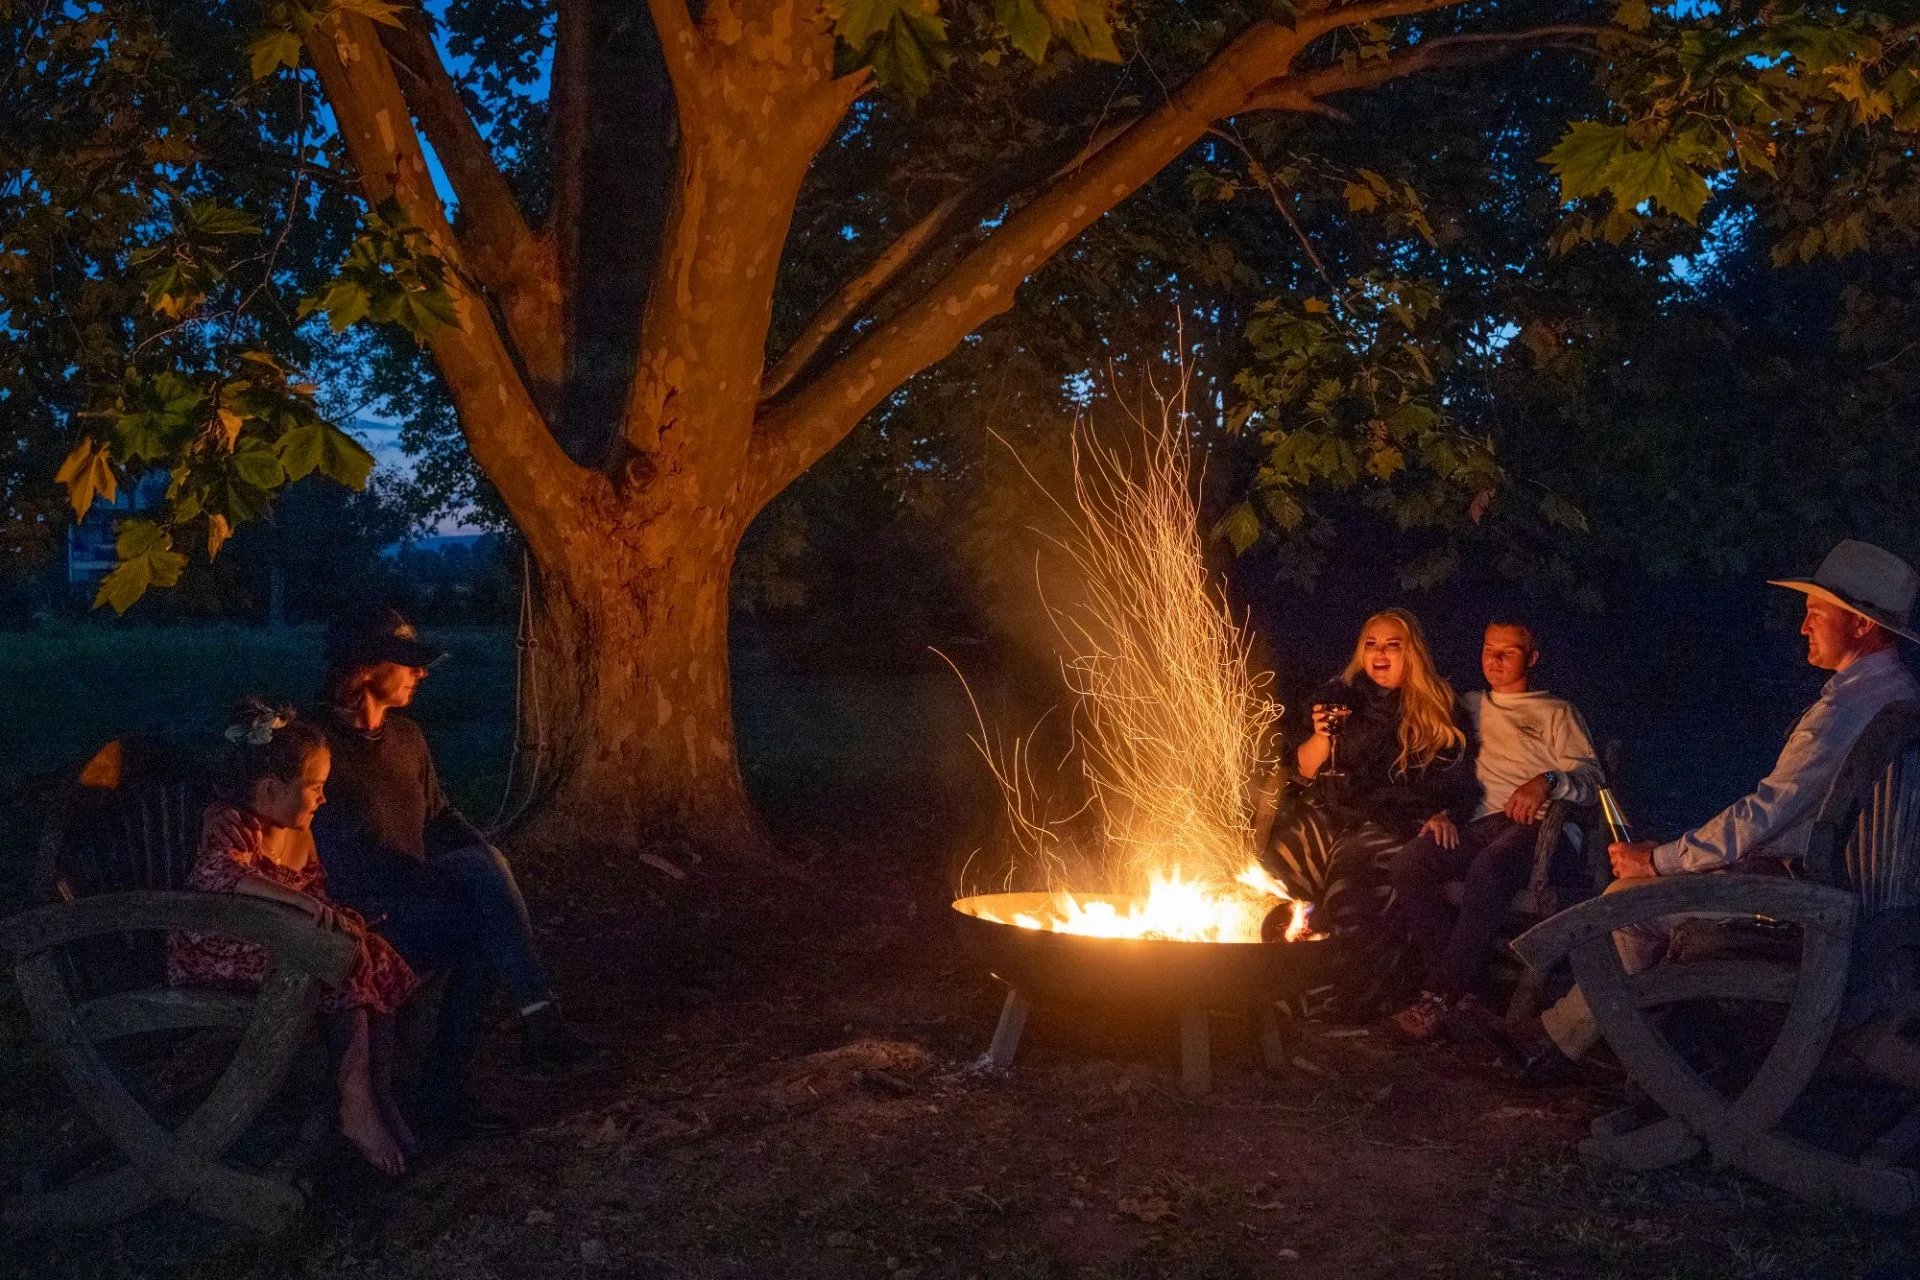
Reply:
x=631 y=697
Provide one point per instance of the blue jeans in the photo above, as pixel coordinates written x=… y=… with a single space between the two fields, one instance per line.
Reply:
x=461 y=914
x=503 y=931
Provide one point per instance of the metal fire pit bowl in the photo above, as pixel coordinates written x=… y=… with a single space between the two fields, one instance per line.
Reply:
x=1188 y=978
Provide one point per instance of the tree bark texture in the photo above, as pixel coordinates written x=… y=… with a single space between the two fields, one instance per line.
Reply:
x=680 y=151
x=634 y=701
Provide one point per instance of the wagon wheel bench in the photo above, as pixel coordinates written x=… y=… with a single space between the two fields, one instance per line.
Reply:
x=1852 y=996
x=115 y=848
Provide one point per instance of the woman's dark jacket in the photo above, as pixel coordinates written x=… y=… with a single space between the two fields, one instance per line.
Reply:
x=1369 y=745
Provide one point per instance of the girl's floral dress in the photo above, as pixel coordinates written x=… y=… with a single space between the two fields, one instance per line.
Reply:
x=233 y=845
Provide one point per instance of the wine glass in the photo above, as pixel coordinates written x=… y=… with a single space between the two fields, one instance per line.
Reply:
x=1336 y=714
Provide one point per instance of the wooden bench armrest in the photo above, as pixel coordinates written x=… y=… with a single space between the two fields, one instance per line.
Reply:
x=287 y=933
x=1546 y=844
x=1798 y=902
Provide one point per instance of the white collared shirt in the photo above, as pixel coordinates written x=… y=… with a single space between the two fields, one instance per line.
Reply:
x=1777 y=818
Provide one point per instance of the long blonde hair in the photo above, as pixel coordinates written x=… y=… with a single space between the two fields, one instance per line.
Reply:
x=1426 y=699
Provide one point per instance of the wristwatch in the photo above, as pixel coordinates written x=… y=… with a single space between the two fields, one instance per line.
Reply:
x=1553 y=782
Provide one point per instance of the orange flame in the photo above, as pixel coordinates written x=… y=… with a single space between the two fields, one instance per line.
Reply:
x=1174 y=909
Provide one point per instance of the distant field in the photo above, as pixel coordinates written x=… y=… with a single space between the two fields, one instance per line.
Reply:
x=807 y=736
x=73 y=687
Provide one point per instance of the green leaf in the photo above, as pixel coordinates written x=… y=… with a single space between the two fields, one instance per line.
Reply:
x=1563 y=514
x=1385 y=462
x=427 y=311
x=1240 y=526
x=277 y=48
x=1583 y=156
x=266 y=358
x=1026 y=25
x=914 y=48
x=1659 y=176
x=256 y=463
x=380 y=11
x=147 y=559
x=1600 y=159
x=345 y=302
x=1283 y=508
x=1634 y=15
x=160 y=417
x=323 y=447
x=229 y=495
x=1086 y=26
x=858 y=23
x=211 y=218
x=904 y=40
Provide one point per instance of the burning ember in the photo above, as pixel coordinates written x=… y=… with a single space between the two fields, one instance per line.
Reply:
x=1169 y=728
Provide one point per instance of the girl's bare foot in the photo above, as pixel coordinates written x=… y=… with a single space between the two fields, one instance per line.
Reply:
x=397 y=1126
x=361 y=1123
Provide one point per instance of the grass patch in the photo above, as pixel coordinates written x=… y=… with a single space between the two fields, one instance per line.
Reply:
x=73 y=686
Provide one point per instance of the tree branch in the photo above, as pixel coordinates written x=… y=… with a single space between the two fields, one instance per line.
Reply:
x=815 y=415
x=850 y=300
x=1302 y=91
x=1250 y=73
x=1259 y=173
x=1319 y=22
x=508 y=438
x=497 y=245
x=859 y=296
x=792 y=433
x=684 y=46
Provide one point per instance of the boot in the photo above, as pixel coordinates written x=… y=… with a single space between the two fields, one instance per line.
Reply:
x=551 y=1050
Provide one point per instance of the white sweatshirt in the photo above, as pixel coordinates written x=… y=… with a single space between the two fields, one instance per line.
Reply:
x=1523 y=735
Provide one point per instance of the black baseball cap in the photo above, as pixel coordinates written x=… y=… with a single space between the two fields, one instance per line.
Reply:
x=376 y=635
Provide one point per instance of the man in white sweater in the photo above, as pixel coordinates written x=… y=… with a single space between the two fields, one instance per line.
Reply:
x=1533 y=748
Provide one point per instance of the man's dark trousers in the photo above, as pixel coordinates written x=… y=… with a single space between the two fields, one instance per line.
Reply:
x=1494 y=861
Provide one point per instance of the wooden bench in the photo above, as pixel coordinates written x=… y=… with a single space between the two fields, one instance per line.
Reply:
x=90 y=967
x=1852 y=996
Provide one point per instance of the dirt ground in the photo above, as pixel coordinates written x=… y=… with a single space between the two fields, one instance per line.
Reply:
x=795 y=1098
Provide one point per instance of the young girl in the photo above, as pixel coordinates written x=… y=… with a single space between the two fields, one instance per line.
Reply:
x=255 y=840
x=1402 y=766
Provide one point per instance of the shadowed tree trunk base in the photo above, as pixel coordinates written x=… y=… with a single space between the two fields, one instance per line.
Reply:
x=630 y=711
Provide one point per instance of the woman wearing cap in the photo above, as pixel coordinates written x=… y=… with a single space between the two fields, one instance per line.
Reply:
x=400 y=852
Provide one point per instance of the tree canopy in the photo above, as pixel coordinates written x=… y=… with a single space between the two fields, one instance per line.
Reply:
x=1441 y=260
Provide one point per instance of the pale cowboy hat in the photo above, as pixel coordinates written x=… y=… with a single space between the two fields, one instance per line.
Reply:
x=1871 y=581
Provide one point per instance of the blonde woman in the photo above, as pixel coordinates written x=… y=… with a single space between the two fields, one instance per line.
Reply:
x=1387 y=759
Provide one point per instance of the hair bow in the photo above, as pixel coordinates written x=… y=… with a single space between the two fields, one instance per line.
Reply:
x=260 y=731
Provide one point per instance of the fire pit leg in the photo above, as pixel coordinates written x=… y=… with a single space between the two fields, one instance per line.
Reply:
x=1006 y=1036
x=1273 y=1045
x=1196 y=1066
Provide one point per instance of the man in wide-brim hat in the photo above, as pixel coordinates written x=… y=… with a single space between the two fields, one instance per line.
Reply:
x=1858 y=601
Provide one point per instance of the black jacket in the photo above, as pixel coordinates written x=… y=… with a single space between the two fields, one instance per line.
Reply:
x=386 y=815
x=1369 y=744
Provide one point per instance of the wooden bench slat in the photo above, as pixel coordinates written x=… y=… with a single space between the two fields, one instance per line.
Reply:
x=130 y=1013
x=285 y=931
